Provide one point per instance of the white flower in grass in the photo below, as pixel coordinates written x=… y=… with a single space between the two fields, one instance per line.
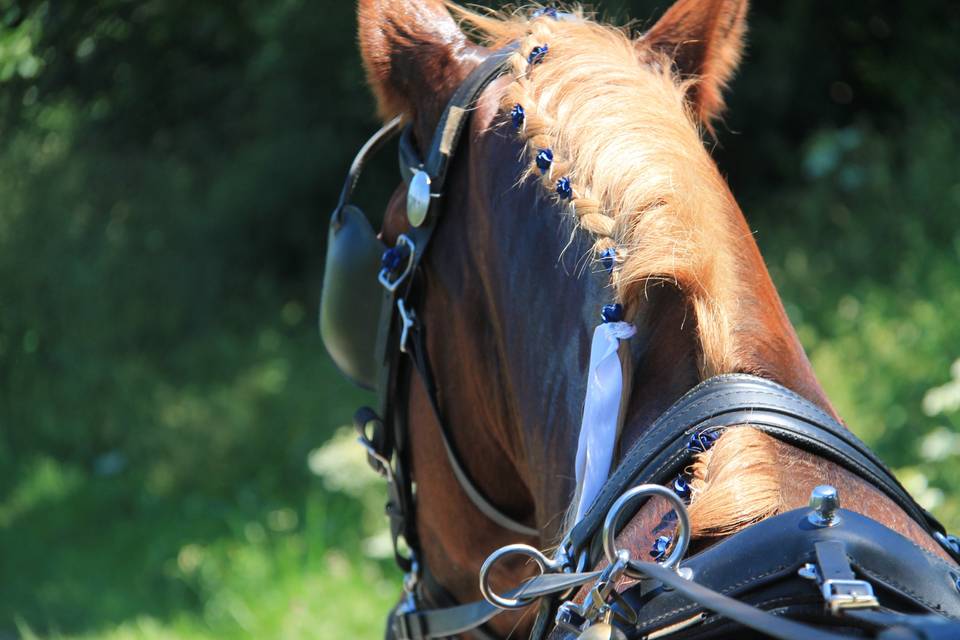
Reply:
x=341 y=463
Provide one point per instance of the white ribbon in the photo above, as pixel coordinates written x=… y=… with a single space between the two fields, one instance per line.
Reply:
x=601 y=409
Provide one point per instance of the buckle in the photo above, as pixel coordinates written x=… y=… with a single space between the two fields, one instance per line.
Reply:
x=409 y=319
x=597 y=607
x=848 y=594
x=384 y=276
x=407 y=624
x=377 y=460
x=404 y=630
x=371 y=436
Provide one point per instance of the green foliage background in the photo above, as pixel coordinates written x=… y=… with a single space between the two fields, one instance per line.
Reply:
x=166 y=168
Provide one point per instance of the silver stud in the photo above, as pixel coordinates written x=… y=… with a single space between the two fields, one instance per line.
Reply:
x=418 y=198
x=824 y=502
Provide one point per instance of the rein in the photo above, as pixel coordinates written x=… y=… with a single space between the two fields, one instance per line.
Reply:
x=825 y=565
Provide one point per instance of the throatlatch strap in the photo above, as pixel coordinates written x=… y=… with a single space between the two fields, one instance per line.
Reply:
x=418 y=351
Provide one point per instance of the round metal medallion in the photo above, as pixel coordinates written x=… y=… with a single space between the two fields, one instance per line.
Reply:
x=418 y=198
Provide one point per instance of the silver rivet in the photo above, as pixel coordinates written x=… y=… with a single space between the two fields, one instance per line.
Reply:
x=418 y=198
x=824 y=500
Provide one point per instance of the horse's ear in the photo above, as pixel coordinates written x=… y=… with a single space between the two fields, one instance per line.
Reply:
x=414 y=54
x=705 y=40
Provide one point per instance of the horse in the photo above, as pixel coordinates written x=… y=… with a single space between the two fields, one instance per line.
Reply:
x=583 y=187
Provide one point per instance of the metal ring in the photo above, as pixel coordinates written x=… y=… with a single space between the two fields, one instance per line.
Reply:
x=610 y=523
x=546 y=565
x=384 y=275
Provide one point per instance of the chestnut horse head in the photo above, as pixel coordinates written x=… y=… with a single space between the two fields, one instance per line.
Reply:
x=629 y=209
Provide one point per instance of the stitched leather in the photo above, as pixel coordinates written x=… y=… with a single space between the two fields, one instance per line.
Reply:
x=904 y=576
x=739 y=399
x=457 y=114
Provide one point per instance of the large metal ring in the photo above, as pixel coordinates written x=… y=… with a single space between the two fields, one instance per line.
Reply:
x=611 y=522
x=546 y=566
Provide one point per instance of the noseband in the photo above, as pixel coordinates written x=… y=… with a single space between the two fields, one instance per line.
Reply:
x=825 y=565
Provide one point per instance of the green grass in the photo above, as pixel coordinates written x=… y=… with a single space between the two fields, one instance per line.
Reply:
x=150 y=546
x=86 y=558
x=167 y=574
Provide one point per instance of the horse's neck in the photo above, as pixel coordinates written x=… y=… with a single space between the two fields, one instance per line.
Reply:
x=748 y=475
x=763 y=337
x=757 y=335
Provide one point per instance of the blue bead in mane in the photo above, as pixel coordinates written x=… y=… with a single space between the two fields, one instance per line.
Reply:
x=544 y=160
x=612 y=312
x=537 y=54
x=608 y=258
x=517 y=115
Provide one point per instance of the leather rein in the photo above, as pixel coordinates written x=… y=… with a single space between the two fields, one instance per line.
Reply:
x=827 y=565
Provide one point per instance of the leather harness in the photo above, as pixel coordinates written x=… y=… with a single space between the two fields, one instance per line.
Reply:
x=765 y=578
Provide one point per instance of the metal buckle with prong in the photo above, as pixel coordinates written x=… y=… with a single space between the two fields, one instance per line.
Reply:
x=848 y=594
x=408 y=320
x=384 y=276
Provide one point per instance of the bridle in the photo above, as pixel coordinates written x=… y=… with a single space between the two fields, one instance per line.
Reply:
x=827 y=565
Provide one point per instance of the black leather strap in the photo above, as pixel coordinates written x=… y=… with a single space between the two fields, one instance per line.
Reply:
x=391 y=380
x=457 y=114
x=733 y=400
x=445 y=620
x=408 y=156
x=367 y=151
x=416 y=347
x=832 y=560
x=760 y=566
x=745 y=614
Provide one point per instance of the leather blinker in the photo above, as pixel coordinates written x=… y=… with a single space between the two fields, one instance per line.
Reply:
x=351 y=298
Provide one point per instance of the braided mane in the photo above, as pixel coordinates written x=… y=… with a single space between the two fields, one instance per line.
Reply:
x=616 y=120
